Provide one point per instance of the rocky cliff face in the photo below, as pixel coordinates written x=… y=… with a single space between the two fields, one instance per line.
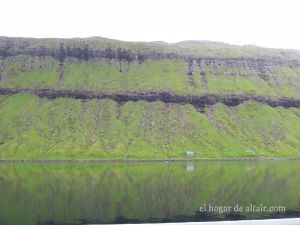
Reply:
x=85 y=51
x=196 y=64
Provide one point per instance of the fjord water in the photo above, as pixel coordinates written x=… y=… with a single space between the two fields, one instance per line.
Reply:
x=51 y=193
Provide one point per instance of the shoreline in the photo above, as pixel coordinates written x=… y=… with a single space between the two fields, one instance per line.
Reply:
x=104 y=160
x=283 y=221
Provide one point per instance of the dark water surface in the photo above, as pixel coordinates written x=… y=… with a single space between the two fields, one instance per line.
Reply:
x=146 y=192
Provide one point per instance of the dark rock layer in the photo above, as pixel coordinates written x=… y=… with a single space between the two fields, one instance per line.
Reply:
x=11 y=47
x=199 y=101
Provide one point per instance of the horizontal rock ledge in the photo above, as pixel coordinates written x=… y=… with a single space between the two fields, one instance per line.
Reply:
x=199 y=101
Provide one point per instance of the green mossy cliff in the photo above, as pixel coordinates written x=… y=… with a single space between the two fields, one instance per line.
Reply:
x=39 y=126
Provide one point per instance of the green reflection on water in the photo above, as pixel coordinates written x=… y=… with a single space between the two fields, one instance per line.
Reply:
x=142 y=192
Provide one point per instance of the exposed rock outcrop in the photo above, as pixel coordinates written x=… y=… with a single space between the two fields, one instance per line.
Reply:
x=199 y=101
x=10 y=47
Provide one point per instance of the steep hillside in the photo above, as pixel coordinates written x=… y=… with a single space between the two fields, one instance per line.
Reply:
x=98 y=97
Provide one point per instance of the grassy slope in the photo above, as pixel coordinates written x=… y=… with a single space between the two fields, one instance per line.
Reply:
x=152 y=75
x=39 y=128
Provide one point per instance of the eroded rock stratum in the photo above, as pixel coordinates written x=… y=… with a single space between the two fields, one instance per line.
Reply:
x=199 y=101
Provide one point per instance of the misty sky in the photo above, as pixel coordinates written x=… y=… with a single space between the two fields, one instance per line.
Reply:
x=268 y=23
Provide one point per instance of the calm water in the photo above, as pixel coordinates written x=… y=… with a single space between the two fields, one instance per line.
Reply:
x=146 y=192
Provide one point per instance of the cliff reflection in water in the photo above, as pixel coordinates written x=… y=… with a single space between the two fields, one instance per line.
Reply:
x=144 y=192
